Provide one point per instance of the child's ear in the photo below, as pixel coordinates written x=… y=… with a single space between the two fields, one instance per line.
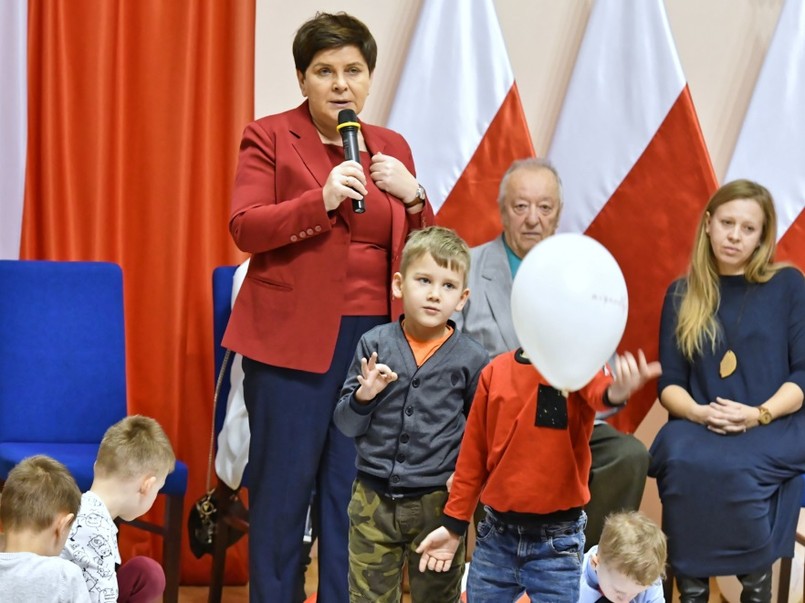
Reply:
x=464 y=296
x=63 y=525
x=396 y=285
x=147 y=483
x=66 y=521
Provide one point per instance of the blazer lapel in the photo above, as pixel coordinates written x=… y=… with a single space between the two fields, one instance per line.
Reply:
x=498 y=293
x=374 y=139
x=308 y=145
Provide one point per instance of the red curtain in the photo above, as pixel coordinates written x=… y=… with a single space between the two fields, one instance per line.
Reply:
x=135 y=115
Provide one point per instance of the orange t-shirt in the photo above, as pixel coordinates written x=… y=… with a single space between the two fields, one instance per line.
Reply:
x=425 y=349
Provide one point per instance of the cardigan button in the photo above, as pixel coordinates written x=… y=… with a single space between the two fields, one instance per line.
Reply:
x=294 y=238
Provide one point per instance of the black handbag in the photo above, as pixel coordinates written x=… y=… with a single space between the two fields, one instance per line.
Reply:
x=220 y=503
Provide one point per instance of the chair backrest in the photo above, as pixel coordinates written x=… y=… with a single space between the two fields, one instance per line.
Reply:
x=222 y=278
x=62 y=350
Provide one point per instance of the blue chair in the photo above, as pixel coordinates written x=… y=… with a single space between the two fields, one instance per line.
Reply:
x=785 y=564
x=222 y=280
x=63 y=377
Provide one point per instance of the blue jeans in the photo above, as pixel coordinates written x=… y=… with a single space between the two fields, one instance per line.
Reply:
x=544 y=563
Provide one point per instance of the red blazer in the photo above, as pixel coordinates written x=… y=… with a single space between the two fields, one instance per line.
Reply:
x=289 y=308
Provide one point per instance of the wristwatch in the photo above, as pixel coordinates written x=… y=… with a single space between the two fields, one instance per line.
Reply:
x=419 y=197
x=764 y=418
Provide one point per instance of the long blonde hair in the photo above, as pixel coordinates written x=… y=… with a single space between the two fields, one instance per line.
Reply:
x=696 y=323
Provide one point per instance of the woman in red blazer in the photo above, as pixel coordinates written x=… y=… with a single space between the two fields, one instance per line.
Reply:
x=319 y=278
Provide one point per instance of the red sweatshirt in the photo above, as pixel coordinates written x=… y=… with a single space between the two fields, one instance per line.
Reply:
x=522 y=467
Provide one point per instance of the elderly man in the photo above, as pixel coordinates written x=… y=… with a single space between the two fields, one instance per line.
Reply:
x=530 y=202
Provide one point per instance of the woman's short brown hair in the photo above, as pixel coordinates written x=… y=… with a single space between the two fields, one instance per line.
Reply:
x=332 y=30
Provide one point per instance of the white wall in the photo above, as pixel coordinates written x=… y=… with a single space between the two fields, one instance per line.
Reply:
x=721 y=44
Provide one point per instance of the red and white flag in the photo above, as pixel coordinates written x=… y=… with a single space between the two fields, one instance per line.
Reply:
x=13 y=123
x=458 y=107
x=771 y=145
x=635 y=169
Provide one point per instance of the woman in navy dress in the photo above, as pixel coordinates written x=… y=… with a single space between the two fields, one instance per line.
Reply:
x=732 y=348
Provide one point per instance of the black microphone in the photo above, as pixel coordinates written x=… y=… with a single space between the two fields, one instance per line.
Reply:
x=348 y=126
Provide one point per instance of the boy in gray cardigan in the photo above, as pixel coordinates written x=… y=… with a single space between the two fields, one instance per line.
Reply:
x=405 y=401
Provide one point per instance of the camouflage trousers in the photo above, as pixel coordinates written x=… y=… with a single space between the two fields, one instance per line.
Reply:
x=383 y=534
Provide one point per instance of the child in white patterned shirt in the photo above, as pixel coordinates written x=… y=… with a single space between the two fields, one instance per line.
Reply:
x=133 y=461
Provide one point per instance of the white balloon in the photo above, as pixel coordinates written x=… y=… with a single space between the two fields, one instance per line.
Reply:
x=569 y=307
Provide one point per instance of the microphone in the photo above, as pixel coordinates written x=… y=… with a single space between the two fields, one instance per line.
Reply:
x=348 y=126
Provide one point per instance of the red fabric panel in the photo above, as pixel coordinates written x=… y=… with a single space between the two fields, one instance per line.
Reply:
x=135 y=115
x=471 y=208
x=648 y=225
x=791 y=248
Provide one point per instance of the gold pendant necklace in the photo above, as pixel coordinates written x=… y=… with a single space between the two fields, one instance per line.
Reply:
x=729 y=362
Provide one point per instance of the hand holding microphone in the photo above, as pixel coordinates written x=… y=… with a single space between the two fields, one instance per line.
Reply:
x=387 y=172
x=348 y=127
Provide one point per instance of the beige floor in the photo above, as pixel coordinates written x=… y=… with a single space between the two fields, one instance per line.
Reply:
x=240 y=594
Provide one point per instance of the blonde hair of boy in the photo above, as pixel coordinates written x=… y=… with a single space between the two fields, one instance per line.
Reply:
x=633 y=545
x=133 y=447
x=443 y=244
x=38 y=489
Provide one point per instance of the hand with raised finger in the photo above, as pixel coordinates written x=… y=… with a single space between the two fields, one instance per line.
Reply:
x=373 y=379
x=630 y=374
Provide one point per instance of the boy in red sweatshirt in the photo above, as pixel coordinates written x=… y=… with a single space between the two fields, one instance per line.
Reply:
x=526 y=454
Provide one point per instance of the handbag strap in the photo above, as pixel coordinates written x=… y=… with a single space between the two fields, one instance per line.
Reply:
x=218 y=383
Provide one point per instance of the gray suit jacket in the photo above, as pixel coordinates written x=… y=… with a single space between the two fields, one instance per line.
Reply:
x=487 y=315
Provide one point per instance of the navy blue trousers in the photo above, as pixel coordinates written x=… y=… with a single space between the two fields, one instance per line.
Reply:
x=295 y=447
